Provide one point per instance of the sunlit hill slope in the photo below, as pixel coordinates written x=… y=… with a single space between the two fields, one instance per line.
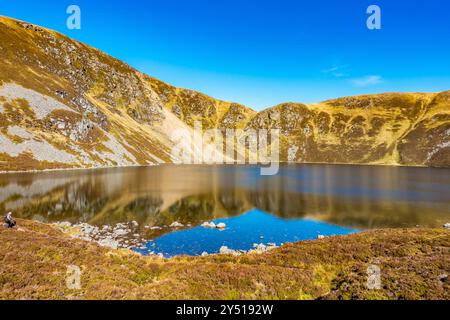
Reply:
x=64 y=104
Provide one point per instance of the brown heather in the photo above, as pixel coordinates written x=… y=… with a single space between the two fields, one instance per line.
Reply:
x=412 y=261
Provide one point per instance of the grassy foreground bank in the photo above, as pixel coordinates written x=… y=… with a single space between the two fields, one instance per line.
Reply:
x=415 y=264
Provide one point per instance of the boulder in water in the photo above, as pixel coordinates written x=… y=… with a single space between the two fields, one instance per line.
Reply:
x=207 y=224
x=221 y=225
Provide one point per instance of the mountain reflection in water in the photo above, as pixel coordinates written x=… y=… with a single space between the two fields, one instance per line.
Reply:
x=361 y=197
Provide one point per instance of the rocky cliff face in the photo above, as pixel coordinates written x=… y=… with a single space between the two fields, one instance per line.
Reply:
x=64 y=104
x=391 y=128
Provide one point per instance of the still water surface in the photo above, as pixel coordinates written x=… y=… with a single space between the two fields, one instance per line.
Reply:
x=301 y=202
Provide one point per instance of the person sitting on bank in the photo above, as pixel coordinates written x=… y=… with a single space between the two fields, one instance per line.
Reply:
x=9 y=221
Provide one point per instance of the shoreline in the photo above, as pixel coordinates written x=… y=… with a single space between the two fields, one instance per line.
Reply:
x=36 y=257
x=4 y=172
x=77 y=232
x=127 y=236
x=74 y=169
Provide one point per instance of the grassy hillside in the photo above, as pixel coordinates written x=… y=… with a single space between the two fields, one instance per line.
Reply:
x=35 y=260
x=65 y=104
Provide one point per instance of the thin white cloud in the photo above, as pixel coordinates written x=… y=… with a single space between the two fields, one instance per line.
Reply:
x=331 y=69
x=367 y=81
x=340 y=74
x=336 y=71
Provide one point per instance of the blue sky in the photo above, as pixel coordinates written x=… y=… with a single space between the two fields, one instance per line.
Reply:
x=261 y=53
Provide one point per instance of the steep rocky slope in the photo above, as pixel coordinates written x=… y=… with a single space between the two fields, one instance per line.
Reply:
x=65 y=104
x=390 y=128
